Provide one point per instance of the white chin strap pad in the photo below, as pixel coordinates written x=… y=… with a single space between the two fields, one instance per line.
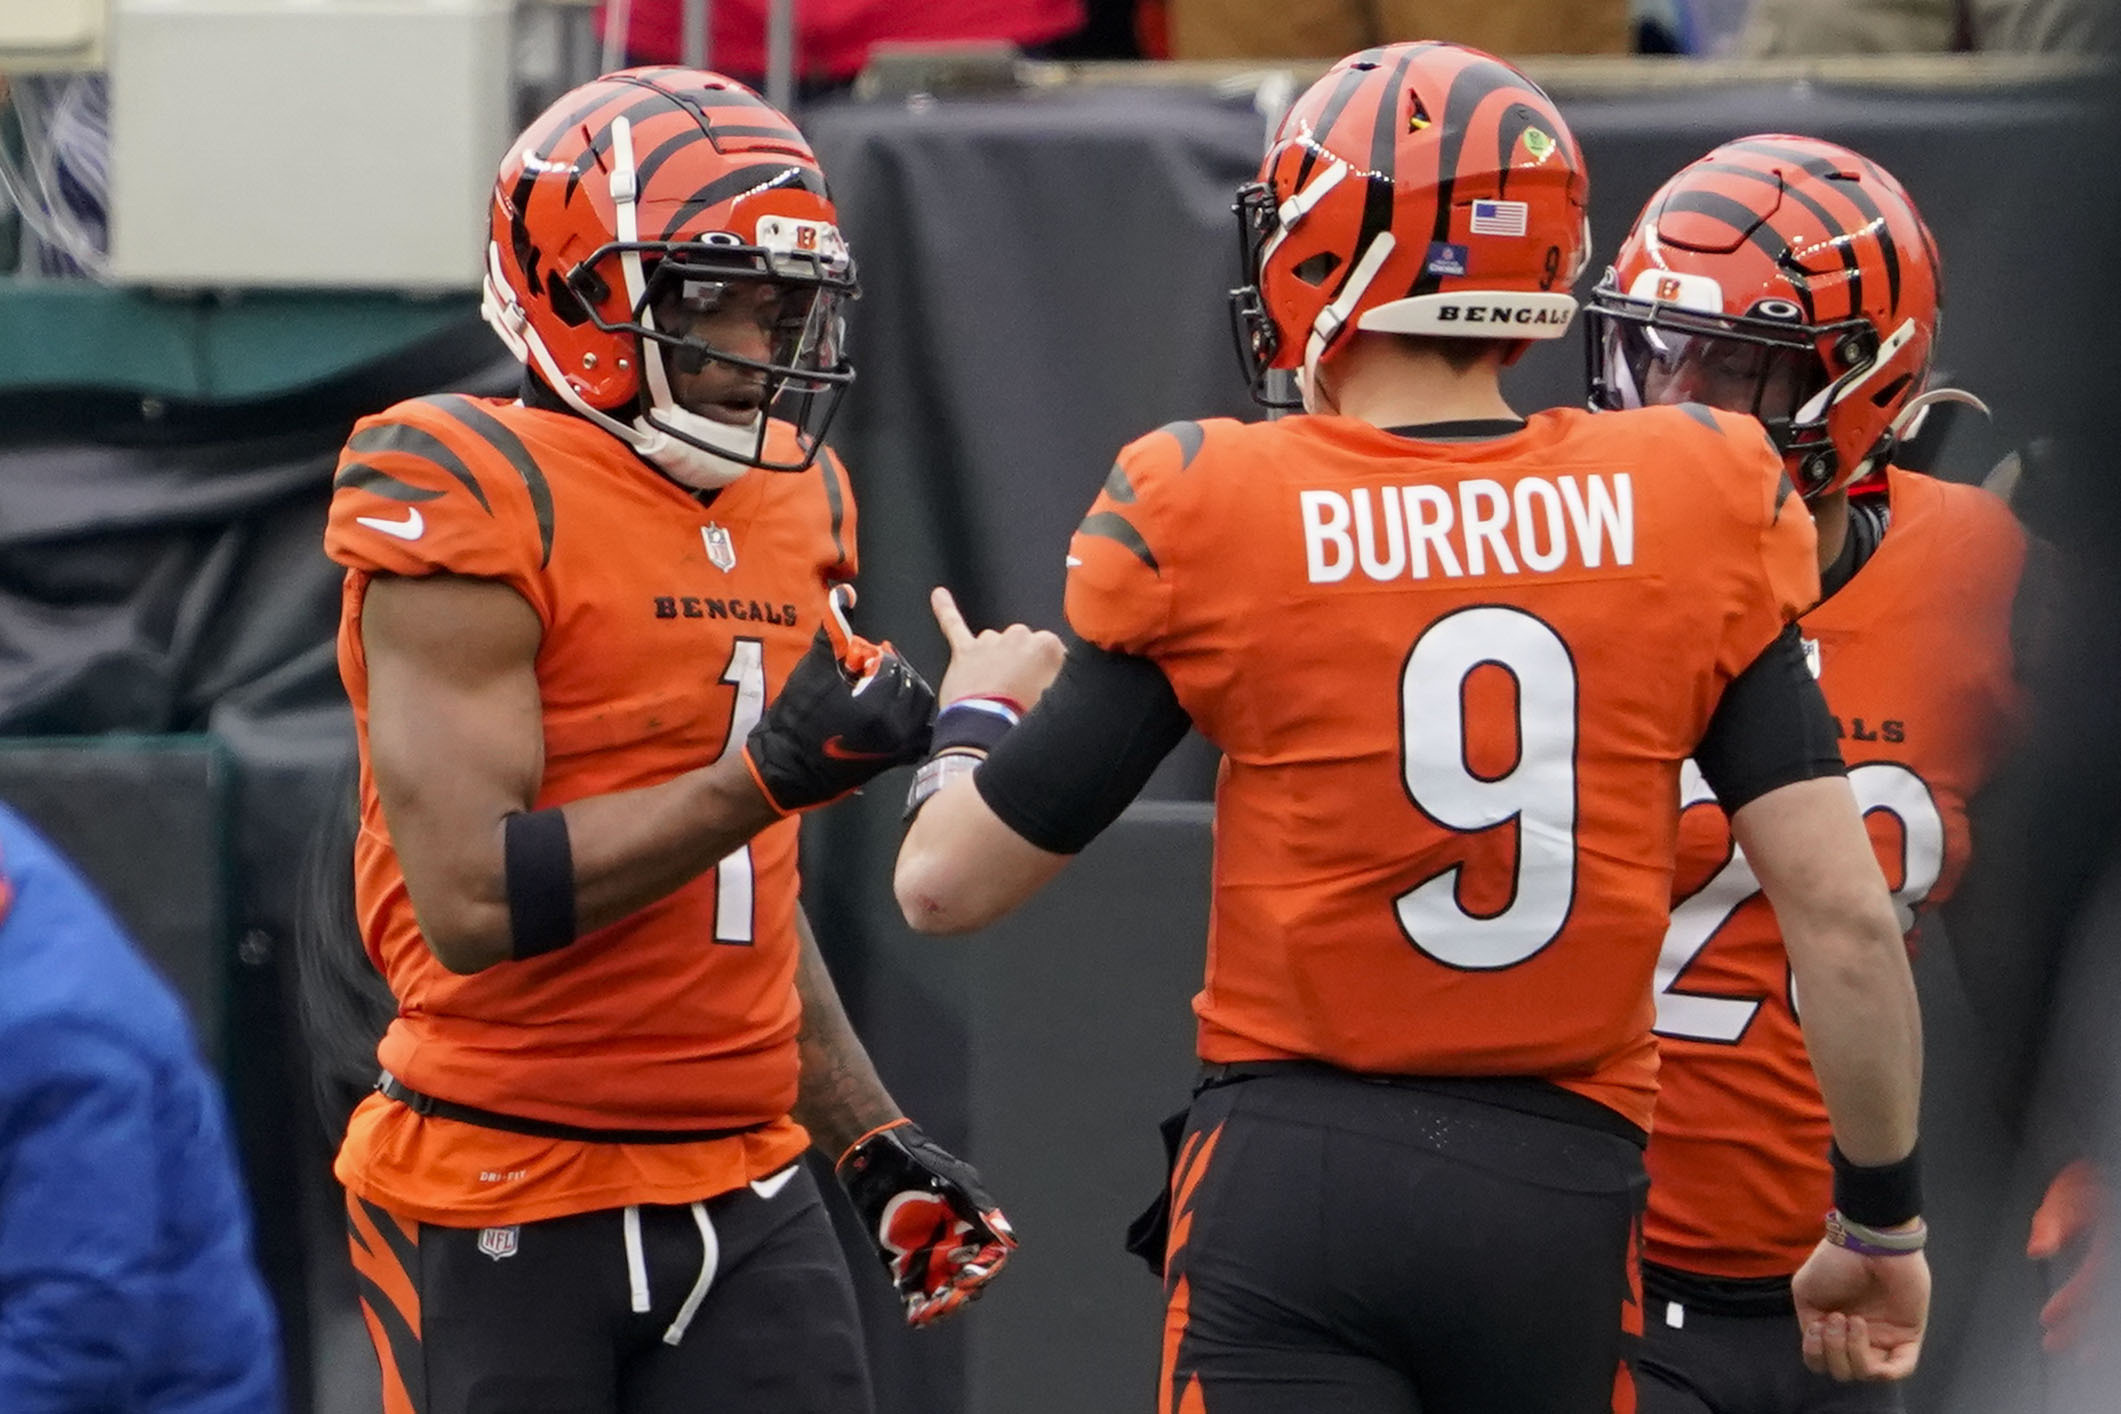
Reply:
x=701 y=468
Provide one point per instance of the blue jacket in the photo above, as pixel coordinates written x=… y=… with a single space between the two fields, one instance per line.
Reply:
x=126 y=1281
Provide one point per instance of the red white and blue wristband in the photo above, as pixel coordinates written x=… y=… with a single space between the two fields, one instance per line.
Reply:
x=965 y=731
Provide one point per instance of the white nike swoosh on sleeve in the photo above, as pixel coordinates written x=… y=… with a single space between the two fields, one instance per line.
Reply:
x=411 y=528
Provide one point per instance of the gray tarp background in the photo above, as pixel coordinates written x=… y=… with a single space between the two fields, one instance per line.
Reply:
x=1044 y=280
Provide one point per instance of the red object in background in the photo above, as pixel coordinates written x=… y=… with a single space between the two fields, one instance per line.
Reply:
x=833 y=37
x=1152 y=29
x=2073 y=1228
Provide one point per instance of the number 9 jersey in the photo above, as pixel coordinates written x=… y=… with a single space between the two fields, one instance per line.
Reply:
x=1454 y=676
x=1915 y=656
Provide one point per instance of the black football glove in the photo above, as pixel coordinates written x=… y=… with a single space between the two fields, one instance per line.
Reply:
x=833 y=726
x=938 y=1233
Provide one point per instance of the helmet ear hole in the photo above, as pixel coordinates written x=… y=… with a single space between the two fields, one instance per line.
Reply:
x=565 y=302
x=1316 y=269
x=1885 y=396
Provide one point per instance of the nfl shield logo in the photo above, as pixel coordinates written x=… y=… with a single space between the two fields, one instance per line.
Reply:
x=1811 y=655
x=721 y=549
x=498 y=1242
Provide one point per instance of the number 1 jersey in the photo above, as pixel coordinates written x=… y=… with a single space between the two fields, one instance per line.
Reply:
x=1453 y=682
x=1914 y=655
x=668 y=625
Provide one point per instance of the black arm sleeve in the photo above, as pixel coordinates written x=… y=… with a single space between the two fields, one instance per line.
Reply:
x=1772 y=729
x=1084 y=751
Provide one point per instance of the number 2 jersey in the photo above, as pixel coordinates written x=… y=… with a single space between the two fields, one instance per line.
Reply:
x=668 y=624
x=1914 y=655
x=1453 y=682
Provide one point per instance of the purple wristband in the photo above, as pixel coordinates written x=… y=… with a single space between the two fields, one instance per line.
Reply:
x=1869 y=1242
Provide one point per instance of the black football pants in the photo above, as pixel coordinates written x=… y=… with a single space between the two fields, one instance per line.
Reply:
x=1343 y=1244
x=1698 y=1362
x=738 y=1305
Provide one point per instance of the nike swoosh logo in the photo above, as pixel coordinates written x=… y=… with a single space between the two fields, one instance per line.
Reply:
x=771 y=1186
x=411 y=528
x=837 y=752
x=1073 y=562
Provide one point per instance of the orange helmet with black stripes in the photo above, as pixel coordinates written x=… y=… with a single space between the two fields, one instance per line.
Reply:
x=1421 y=188
x=1784 y=277
x=644 y=199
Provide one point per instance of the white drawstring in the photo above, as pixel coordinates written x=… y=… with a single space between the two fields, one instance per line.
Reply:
x=710 y=1258
x=636 y=1263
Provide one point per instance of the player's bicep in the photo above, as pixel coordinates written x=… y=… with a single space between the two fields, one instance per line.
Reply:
x=1770 y=728
x=455 y=738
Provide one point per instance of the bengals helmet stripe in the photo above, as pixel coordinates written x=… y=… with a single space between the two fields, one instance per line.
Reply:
x=1377 y=200
x=1351 y=82
x=1470 y=88
x=1823 y=172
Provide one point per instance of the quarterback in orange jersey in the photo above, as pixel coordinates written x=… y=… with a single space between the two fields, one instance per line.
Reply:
x=593 y=647
x=1455 y=660
x=1794 y=280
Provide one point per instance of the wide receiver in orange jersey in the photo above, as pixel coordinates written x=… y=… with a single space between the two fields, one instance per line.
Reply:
x=1794 y=280
x=592 y=646
x=1455 y=660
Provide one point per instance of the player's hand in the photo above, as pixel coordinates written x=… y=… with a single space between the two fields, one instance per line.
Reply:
x=1862 y=1317
x=1016 y=664
x=832 y=729
x=938 y=1233
x=2072 y=1223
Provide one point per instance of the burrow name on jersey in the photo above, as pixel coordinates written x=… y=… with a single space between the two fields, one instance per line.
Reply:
x=1425 y=531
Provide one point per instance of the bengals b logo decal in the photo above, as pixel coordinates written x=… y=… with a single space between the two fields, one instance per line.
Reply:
x=1667 y=288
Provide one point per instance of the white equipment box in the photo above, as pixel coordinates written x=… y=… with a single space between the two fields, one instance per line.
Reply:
x=332 y=143
x=37 y=36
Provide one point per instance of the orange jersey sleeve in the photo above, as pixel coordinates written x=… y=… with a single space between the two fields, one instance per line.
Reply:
x=1787 y=550
x=442 y=486
x=1122 y=558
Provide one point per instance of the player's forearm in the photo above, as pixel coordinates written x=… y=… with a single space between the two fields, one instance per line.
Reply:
x=1854 y=992
x=1863 y=1029
x=840 y=1097
x=636 y=847
x=628 y=849
x=960 y=868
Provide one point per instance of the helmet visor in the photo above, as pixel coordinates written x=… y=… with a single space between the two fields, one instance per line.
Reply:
x=1646 y=362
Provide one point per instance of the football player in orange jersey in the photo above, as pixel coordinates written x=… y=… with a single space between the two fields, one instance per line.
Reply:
x=1792 y=279
x=596 y=667
x=1455 y=660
